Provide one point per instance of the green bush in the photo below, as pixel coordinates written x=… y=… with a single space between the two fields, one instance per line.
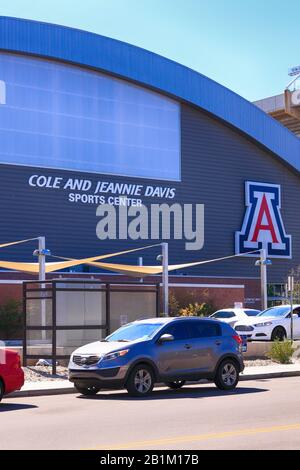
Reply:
x=197 y=310
x=11 y=319
x=282 y=351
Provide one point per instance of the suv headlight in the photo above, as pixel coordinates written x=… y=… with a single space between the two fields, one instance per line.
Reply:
x=115 y=355
x=267 y=323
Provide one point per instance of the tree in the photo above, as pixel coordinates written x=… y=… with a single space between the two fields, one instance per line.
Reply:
x=11 y=319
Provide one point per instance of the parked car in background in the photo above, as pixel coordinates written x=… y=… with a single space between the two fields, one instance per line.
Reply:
x=169 y=350
x=11 y=372
x=271 y=324
x=232 y=315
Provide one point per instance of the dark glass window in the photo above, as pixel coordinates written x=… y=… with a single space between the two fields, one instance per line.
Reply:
x=178 y=330
x=223 y=314
x=252 y=313
x=204 y=329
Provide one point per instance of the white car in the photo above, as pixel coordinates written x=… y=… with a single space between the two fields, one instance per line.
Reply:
x=233 y=315
x=273 y=323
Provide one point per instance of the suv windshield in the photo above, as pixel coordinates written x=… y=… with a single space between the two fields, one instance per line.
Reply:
x=134 y=331
x=275 y=311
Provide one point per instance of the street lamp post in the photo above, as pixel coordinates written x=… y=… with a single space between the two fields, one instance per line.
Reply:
x=263 y=262
x=42 y=258
x=263 y=279
x=165 y=278
x=291 y=295
x=164 y=259
x=42 y=252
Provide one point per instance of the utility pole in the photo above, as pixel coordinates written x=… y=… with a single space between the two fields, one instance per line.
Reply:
x=291 y=295
x=141 y=262
x=165 y=278
x=42 y=258
x=42 y=277
x=263 y=279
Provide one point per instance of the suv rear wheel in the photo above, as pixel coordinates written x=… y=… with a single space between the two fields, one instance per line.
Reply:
x=140 y=382
x=92 y=390
x=227 y=375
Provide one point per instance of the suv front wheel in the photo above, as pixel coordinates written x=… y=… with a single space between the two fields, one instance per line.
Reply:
x=227 y=375
x=140 y=382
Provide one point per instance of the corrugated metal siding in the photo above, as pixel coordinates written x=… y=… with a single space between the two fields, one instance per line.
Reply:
x=216 y=162
x=142 y=66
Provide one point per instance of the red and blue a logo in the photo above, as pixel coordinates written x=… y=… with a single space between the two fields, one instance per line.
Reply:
x=263 y=226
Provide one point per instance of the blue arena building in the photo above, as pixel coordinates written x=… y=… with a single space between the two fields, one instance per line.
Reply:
x=85 y=120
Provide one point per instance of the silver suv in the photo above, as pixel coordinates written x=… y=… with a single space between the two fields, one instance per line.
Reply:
x=169 y=350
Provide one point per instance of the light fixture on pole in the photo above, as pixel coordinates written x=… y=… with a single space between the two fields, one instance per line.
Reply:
x=42 y=252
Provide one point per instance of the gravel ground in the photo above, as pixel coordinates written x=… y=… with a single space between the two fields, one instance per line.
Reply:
x=41 y=373
x=259 y=362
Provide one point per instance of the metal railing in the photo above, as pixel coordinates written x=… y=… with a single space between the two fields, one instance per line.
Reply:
x=46 y=291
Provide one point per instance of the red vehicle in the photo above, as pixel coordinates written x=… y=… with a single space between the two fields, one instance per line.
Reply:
x=11 y=372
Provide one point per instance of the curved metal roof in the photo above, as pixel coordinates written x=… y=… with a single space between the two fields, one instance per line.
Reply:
x=151 y=70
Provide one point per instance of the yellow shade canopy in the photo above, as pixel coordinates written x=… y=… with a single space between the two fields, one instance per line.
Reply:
x=132 y=270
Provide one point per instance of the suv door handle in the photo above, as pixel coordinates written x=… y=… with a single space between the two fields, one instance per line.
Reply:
x=218 y=342
x=187 y=346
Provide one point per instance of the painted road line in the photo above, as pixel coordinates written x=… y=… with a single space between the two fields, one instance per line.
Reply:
x=198 y=437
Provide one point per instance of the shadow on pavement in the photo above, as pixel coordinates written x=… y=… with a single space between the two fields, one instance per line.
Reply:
x=166 y=394
x=15 y=407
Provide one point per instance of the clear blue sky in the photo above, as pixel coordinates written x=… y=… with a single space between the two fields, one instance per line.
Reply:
x=246 y=45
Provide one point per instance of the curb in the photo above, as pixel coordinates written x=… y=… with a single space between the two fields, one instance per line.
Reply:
x=69 y=390
x=42 y=392
x=270 y=375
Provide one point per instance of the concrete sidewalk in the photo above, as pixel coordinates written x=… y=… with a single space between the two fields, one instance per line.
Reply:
x=58 y=386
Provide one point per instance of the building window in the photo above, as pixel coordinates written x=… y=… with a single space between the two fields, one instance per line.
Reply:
x=66 y=117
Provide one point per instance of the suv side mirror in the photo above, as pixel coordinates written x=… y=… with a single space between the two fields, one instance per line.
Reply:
x=295 y=315
x=166 y=338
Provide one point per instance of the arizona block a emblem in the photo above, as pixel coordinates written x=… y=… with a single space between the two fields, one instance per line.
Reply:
x=263 y=226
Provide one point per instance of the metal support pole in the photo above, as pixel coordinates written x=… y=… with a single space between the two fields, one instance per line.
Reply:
x=165 y=278
x=291 y=292
x=25 y=324
x=141 y=262
x=42 y=277
x=292 y=318
x=107 y=302
x=54 y=326
x=42 y=259
x=263 y=279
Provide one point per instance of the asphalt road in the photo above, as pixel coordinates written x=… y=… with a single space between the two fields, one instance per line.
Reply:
x=263 y=414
